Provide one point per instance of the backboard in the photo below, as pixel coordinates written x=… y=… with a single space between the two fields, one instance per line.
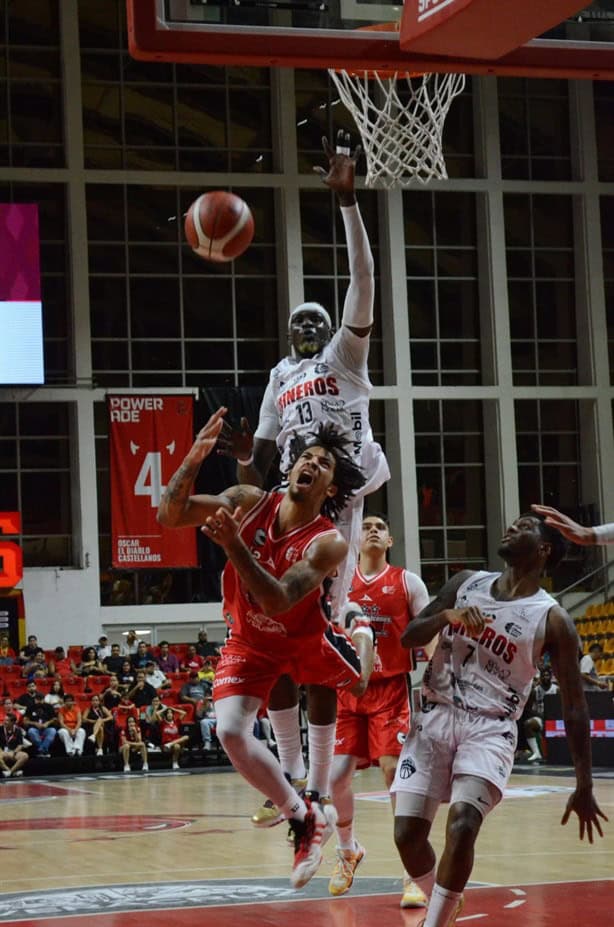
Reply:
x=469 y=36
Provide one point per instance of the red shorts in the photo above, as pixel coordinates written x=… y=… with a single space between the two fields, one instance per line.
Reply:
x=375 y=724
x=328 y=660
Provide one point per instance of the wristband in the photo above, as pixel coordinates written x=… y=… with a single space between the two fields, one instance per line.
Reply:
x=247 y=462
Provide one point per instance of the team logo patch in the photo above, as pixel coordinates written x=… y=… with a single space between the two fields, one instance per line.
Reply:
x=514 y=630
x=407 y=768
x=260 y=537
x=401 y=737
x=321 y=368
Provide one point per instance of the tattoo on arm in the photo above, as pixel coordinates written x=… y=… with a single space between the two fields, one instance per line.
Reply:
x=180 y=484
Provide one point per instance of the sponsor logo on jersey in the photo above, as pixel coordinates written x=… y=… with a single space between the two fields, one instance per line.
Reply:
x=388 y=590
x=264 y=623
x=321 y=368
x=319 y=386
x=401 y=737
x=292 y=554
x=366 y=598
x=227 y=680
x=336 y=405
x=231 y=658
x=260 y=537
x=514 y=630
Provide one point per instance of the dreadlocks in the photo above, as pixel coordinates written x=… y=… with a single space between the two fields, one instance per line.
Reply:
x=348 y=475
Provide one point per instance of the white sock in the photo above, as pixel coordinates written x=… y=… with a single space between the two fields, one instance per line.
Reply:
x=532 y=742
x=425 y=882
x=442 y=906
x=285 y=724
x=345 y=836
x=294 y=808
x=321 y=746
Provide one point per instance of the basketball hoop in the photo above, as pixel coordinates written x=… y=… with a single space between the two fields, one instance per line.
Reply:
x=400 y=116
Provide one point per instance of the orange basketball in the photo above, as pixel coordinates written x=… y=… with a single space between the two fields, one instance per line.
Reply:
x=219 y=226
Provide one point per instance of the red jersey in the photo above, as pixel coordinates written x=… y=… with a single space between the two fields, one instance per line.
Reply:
x=385 y=601
x=168 y=732
x=308 y=618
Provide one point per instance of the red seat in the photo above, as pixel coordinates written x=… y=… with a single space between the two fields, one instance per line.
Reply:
x=15 y=688
x=44 y=684
x=14 y=672
x=97 y=684
x=75 y=685
x=83 y=701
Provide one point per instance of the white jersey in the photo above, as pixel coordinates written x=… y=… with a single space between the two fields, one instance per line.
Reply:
x=331 y=387
x=492 y=675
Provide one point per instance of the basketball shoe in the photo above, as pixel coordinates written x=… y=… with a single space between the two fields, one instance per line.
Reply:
x=413 y=896
x=455 y=913
x=345 y=868
x=308 y=836
x=268 y=815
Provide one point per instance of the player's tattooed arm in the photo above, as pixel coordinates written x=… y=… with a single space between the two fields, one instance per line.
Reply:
x=437 y=614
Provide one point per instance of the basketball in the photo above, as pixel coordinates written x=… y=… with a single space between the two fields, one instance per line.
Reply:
x=219 y=226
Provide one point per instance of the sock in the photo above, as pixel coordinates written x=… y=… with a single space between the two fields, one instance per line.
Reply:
x=321 y=746
x=425 y=882
x=285 y=724
x=295 y=807
x=345 y=835
x=442 y=906
x=532 y=742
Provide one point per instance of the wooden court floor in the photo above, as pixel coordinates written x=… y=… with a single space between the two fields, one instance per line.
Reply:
x=180 y=847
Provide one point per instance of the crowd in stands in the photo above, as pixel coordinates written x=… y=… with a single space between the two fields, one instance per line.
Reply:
x=124 y=701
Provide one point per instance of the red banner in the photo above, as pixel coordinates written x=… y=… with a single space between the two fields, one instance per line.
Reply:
x=149 y=437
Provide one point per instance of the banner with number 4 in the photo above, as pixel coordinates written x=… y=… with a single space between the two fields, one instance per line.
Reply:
x=148 y=436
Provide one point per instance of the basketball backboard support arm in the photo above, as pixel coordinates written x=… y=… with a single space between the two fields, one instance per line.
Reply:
x=154 y=38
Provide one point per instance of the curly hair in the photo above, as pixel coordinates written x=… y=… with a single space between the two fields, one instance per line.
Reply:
x=558 y=545
x=348 y=476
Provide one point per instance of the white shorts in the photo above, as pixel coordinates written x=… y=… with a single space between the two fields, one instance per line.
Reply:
x=447 y=742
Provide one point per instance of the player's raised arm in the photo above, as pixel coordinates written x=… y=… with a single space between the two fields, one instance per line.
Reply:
x=570 y=529
x=178 y=507
x=254 y=456
x=358 y=305
x=563 y=644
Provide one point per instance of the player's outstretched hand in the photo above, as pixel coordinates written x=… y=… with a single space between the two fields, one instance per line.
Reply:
x=569 y=528
x=236 y=442
x=206 y=438
x=341 y=165
x=582 y=801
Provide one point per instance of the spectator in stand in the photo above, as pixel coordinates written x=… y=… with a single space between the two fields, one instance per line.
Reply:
x=71 y=733
x=28 y=652
x=96 y=719
x=90 y=665
x=60 y=665
x=155 y=677
x=55 y=696
x=114 y=662
x=207 y=673
x=167 y=661
x=195 y=692
x=130 y=644
x=142 y=693
x=131 y=741
x=152 y=724
x=193 y=662
x=588 y=670
x=7 y=654
x=206 y=648
x=13 y=755
x=26 y=700
x=37 y=667
x=111 y=696
x=9 y=708
x=103 y=649
x=173 y=741
x=127 y=676
x=208 y=723
x=40 y=723
x=142 y=657
x=125 y=710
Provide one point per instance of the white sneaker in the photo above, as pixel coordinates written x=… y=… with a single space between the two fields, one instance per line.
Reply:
x=308 y=836
x=145 y=767
x=99 y=751
x=92 y=737
x=127 y=769
x=6 y=773
x=175 y=766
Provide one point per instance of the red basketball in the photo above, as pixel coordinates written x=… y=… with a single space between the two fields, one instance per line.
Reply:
x=219 y=226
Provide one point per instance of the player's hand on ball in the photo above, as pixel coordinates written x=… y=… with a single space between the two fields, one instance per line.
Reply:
x=206 y=439
x=237 y=443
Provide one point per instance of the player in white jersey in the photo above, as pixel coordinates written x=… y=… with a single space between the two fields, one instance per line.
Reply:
x=325 y=379
x=493 y=628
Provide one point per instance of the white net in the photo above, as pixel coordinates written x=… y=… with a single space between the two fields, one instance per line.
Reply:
x=400 y=119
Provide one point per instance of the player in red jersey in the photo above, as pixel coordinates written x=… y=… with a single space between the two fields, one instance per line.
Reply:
x=371 y=728
x=282 y=548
